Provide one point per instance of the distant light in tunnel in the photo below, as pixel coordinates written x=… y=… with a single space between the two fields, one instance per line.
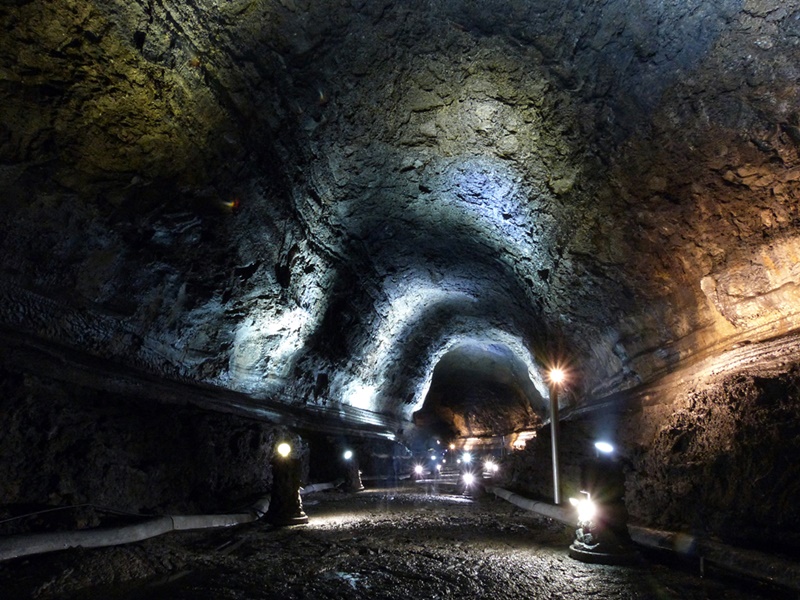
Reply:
x=284 y=449
x=348 y=454
x=491 y=466
x=604 y=447
x=452 y=446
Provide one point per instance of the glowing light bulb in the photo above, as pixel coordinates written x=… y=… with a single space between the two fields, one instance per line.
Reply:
x=284 y=449
x=469 y=478
x=557 y=375
x=467 y=457
x=348 y=454
x=604 y=447
x=585 y=507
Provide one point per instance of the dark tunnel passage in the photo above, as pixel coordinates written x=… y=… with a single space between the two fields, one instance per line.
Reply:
x=480 y=390
x=229 y=228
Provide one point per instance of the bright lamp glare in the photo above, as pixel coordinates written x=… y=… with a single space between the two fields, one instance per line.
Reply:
x=469 y=478
x=604 y=447
x=284 y=449
x=348 y=454
x=467 y=457
x=556 y=375
x=586 y=509
x=438 y=467
x=418 y=469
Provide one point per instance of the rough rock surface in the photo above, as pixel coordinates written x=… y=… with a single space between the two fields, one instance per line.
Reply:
x=66 y=446
x=314 y=204
x=730 y=452
x=719 y=462
x=258 y=194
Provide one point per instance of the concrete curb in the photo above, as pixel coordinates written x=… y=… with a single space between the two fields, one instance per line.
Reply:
x=17 y=546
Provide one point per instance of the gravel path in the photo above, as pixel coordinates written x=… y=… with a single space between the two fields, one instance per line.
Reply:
x=375 y=544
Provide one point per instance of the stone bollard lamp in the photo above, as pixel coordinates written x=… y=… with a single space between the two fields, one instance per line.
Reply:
x=285 y=506
x=352 y=474
x=602 y=535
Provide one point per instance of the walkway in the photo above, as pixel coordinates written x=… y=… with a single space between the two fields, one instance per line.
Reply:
x=388 y=544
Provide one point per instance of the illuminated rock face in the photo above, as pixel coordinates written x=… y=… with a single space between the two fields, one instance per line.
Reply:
x=314 y=203
x=728 y=451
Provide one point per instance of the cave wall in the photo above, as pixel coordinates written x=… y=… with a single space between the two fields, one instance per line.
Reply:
x=312 y=203
x=266 y=195
x=723 y=460
x=67 y=445
x=730 y=452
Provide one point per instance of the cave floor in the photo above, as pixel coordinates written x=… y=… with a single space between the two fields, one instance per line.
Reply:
x=381 y=543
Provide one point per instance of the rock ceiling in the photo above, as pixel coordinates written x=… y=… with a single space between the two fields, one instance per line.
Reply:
x=312 y=203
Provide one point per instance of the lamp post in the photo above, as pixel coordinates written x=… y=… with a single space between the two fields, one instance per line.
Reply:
x=556 y=378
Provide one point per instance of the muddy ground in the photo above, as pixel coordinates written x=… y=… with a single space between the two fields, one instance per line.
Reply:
x=385 y=543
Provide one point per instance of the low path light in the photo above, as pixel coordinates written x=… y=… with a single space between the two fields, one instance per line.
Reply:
x=285 y=505
x=602 y=535
x=352 y=472
x=470 y=482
